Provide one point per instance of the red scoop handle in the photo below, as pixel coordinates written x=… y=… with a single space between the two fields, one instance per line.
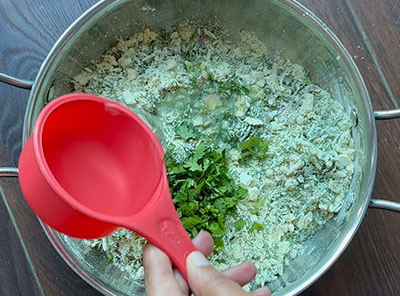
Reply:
x=160 y=224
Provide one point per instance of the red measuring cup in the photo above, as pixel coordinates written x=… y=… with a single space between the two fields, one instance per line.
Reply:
x=92 y=166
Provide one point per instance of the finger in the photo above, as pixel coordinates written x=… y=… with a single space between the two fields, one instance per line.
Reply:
x=204 y=243
x=242 y=273
x=183 y=286
x=205 y=280
x=159 y=278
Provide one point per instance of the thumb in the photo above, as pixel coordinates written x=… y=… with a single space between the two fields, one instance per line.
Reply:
x=205 y=280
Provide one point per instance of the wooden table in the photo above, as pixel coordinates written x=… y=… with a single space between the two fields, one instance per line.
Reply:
x=370 y=29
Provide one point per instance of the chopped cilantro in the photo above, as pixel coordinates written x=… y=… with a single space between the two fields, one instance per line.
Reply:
x=256 y=226
x=220 y=260
x=219 y=243
x=239 y=224
x=110 y=256
x=255 y=147
x=192 y=221
x=187 y=131
x=260 y=204
x=203 y=191
x=231 y=86
x=255 y=212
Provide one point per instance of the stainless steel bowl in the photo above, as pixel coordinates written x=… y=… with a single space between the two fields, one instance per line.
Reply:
x=286 y=27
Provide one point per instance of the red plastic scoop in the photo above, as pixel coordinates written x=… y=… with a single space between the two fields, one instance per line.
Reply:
x=91 y=166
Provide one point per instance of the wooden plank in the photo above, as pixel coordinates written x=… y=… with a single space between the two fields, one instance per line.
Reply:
x=53 y=273
x=381 y=23
x=16 y=275
x=339 y=18
x=28 y=29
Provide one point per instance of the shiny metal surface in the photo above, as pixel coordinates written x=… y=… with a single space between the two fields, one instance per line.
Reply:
x=286 y=27
x=387 y=114
x=8 y=172
x=384 y=205
x=15 y=81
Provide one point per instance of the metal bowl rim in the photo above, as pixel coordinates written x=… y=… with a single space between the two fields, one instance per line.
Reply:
x=328 y=34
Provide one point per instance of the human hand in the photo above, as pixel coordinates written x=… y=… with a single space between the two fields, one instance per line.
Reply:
x=204 y=280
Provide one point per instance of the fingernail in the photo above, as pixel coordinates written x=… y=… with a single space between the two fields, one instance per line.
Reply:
x=197 y=236
x=198 y=259
x=261 y=292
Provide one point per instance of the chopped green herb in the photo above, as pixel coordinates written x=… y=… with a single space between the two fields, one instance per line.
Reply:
x=220 y=260
x=110 y=256
x=229 y=87
x=255 y=147
x=193 y=166
x=255 y=212
x=239 y=224
x=187 y=131
x=256 y=226
x=219 y=243
x=260 y=204
x=192 y=221
x=203 y=191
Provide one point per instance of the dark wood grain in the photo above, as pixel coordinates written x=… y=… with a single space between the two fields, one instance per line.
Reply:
x=371 y=263
x=17 y=276
x=30 y=28
x=381 y=23
x=339 y=18
x=55 y=276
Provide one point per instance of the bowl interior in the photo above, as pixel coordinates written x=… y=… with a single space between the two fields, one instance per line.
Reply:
x=286 y=28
